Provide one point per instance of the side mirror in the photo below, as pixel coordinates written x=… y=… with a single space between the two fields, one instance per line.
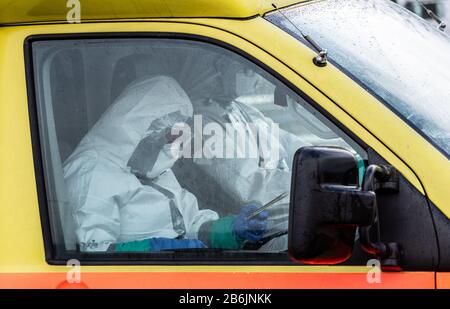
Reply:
x=327 y=206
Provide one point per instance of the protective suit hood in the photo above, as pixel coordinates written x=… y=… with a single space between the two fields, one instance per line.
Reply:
x=146 y=107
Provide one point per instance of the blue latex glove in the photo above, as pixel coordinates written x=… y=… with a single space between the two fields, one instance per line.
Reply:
x=159 y=244
x=252 y=229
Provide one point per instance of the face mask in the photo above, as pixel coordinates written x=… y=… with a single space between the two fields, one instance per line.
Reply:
x=165 y=160
x=155 y=153
x=153 y=156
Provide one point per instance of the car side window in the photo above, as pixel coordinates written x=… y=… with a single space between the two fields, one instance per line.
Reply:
x=157 y=146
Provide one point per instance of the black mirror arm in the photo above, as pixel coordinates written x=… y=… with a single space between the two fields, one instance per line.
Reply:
x=377 y=248
x=389 y=252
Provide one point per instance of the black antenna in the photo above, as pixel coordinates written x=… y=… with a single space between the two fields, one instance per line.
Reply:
x=322 y=58
x=433 y=16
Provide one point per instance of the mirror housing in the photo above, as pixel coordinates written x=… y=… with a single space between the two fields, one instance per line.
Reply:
x=326 y=205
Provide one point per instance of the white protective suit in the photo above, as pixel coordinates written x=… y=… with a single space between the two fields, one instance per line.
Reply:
x=249 y=179
x=110 y=204
x=226 y=184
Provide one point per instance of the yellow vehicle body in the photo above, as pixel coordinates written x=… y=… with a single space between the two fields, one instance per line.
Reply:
x=239 y=24
x=23 y=11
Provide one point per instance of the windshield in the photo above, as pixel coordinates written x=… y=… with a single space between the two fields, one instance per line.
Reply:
x=401 y=58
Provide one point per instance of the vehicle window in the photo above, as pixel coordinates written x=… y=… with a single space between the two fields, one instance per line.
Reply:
x=168 y=145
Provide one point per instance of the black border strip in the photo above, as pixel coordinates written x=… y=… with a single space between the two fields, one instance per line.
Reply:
x=36 y=150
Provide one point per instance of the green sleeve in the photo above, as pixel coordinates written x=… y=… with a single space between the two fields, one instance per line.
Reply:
x=221 y=234
x=132 y=246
